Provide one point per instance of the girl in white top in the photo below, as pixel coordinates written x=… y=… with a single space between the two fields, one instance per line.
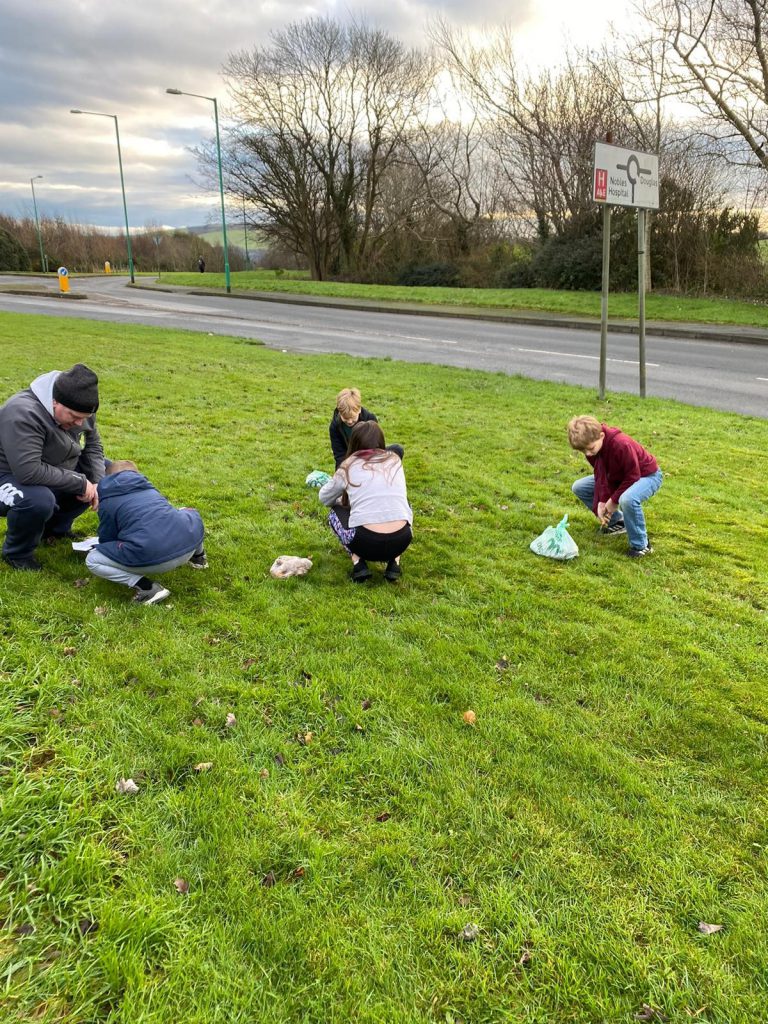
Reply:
x=370 y=513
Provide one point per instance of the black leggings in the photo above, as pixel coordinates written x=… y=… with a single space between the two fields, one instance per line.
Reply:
x=380 y=547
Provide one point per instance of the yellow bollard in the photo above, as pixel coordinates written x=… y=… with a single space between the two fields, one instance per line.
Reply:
x=107 y=267
x=63 y=280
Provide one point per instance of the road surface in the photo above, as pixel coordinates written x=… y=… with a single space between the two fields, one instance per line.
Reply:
x=720 y=375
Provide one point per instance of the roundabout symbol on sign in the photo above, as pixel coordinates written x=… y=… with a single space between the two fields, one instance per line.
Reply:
x=634 y=170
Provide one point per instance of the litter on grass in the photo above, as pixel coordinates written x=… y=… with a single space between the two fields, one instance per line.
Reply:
x=85 y=545
x=556 y=542
x=290 y=565
x=317 y=478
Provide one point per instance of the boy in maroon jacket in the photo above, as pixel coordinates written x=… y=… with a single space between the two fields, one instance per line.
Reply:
x=625 y=475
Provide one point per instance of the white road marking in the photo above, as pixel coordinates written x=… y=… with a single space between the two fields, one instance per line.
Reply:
x=577 y=355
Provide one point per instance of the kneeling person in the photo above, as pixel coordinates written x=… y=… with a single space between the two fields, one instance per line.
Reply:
x=141 y=534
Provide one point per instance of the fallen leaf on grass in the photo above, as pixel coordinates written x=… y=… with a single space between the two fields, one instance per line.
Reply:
x=181 y=886
x=298 y=873
x=384 y=816
x=358 y=727
x=502 y=664
x=249 y=663
x=469 y=932
x=709 y=929
x=79 y=584
x=100 y=609
x=86 y=926
x=304 y=738
x=39 y=757
x=231 y=721
x=55 y=713
x=264 y=773
x=69 y=651
x=127 y=786
x=279 y=760
x=197 y=721
x=469 y=717
x=464 y=900
x=204 y=766
x=269 y=880
x=366 y=704
x=199 y=701
x=24 y=929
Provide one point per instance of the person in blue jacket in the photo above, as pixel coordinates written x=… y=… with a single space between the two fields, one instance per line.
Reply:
x=141 y=534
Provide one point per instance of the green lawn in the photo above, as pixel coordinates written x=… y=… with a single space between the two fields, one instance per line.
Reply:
x=586 y=304
x=609 y=798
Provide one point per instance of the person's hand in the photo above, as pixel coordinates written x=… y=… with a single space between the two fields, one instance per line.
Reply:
x=602 y=514
x=90 y=495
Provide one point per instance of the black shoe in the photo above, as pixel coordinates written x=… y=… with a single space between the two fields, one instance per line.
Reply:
x=640 y=552
x=198 y=561
x=612 y=531
x=361 y=572
x=393 y=572
x=28 y=564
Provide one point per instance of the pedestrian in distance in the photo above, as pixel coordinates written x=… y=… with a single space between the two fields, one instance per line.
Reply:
x=201 y=264
x=369 y=506
x=51 y=460
x=625 y=475
x=141 y=534
x=349 y=411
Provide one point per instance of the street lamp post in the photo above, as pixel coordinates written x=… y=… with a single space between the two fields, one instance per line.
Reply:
x=37 y=221
x=245 y=234
x=96 y=113
x=212 y=99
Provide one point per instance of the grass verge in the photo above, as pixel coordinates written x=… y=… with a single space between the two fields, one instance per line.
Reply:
x=582 y=304
x=610 y=796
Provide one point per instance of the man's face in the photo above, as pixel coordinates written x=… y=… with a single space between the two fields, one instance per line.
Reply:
x=350 y=418
x=68 y=418
x=595 y=447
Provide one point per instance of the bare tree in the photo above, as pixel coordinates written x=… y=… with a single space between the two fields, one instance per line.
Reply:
x=719 y=64
x=321 y=114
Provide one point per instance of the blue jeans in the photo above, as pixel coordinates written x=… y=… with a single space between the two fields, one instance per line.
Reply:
x=630 y=504
x=34 y=510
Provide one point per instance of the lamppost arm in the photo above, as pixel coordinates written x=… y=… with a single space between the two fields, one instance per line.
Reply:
x=98 y=113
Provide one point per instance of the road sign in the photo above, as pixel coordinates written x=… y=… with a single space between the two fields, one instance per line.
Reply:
x=626 y=177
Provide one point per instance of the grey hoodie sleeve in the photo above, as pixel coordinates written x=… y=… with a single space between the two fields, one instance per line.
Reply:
x=332 y=491
x=22 y=442
x=92 y=459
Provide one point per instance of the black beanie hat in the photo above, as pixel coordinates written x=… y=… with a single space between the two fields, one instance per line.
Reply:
x=78 y=389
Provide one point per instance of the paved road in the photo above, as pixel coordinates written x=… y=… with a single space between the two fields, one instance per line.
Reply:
x=716 y=374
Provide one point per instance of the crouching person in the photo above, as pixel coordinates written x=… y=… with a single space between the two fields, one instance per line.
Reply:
x=625 y=475
x=141 y=534
x=370 y=513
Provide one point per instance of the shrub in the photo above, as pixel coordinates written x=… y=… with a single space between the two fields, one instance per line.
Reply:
x=13 y=256
x=430 y=275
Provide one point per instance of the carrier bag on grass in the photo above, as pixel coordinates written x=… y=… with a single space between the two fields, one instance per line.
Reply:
x=317 y=478
x=556 y=542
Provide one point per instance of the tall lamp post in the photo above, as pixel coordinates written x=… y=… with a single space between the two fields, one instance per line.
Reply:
x=212 y=99
x=37 y=221
x=96 y=113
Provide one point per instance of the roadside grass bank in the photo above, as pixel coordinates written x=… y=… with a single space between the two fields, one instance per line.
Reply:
x=351 y=826
x=621 y=305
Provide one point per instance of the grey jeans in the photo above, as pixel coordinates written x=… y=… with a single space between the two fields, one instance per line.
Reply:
x=129 y=575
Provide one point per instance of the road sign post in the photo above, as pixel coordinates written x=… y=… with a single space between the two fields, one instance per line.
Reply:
x=624 y=177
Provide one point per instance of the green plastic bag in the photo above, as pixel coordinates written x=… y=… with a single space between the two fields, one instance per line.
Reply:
x=317 y=478
x=556 y=542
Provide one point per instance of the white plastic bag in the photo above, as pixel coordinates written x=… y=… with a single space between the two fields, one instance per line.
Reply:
x=556 y=542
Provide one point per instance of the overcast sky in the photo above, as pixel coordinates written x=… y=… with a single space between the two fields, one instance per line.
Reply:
x=118 y=57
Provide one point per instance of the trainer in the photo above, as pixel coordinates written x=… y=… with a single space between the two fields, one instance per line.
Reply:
x=51 y=459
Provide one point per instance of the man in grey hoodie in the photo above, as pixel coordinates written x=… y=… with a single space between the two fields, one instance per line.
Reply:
x=51 y=460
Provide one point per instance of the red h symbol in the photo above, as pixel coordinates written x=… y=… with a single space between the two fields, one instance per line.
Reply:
x=601 y=183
